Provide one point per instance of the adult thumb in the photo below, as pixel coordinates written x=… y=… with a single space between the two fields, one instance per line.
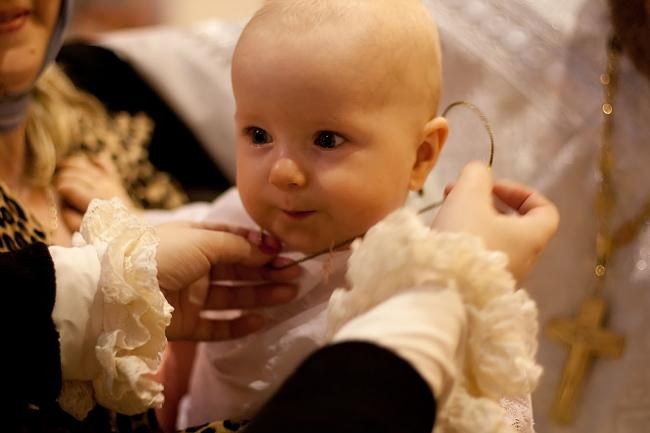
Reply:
x=475 y=181
x=222 y=247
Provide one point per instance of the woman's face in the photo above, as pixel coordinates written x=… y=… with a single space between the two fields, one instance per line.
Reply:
x=25 y=30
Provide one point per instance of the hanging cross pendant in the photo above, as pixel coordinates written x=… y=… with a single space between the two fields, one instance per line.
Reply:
x=586 y=339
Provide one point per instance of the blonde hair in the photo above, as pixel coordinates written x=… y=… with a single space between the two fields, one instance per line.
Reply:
x=403 y=28
x=302 y=15
x=292 y=12
x=55 y=121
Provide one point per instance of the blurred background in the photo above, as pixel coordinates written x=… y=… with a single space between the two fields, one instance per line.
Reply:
x=95 y=16
x=187 y=11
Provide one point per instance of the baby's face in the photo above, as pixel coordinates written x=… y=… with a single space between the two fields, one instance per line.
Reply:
x=323 y=149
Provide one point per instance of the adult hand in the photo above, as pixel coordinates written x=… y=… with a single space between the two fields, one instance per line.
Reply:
x=193 y=263
x=520 y=222
x=80 y=179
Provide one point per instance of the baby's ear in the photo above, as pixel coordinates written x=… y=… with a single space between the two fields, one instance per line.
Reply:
x=434 y=136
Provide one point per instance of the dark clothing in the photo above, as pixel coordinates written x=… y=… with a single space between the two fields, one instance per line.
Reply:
x=34 y=372
x=350 y=388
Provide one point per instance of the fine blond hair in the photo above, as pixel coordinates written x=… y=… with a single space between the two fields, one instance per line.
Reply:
x=403 y=29
x=55 y=121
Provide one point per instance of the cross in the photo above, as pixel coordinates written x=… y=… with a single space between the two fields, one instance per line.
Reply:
x=586 y=339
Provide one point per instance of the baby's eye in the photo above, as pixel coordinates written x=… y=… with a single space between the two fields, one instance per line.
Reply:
x=328 y=140
x=258 y=136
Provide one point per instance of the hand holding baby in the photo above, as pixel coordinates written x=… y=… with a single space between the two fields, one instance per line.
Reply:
x=509 y=217
x=80 y=179
x=192 y=261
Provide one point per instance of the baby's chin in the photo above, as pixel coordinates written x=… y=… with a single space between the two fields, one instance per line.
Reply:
x=307 y=246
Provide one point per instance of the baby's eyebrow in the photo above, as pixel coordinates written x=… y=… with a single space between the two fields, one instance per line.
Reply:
x=347 y=119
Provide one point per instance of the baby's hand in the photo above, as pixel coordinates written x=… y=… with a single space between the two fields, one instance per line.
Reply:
x=509 y=217
x=81 y=179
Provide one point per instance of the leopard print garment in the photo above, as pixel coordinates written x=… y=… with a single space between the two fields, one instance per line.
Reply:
x=18 y=228
x=217 y=427
x=125 y=139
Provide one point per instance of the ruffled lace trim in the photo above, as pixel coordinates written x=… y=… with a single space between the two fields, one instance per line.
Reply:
x=129 y=349
x=519 y=413
x=502 y=322
x=76 y=398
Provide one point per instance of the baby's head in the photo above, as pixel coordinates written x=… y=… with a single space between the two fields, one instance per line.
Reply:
x=336 y=115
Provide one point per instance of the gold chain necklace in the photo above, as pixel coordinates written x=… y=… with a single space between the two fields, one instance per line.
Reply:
x=586 y=336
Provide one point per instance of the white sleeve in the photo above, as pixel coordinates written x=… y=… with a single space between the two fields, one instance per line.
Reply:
x=110 y=313
x=77 y=311
x=451 y=309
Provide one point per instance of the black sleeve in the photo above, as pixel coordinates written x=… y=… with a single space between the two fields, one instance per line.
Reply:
x=34 y=363
x=350 y=388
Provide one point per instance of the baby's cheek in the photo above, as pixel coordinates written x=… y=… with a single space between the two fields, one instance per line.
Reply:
x=359 y=212
x=253 y=204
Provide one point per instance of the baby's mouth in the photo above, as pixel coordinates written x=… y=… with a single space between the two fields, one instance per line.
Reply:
x=298 y=215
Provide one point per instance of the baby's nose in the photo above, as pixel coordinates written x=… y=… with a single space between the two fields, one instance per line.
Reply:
x=286 y=174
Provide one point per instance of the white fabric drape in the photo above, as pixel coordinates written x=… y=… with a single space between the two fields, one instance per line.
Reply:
x=534 y=68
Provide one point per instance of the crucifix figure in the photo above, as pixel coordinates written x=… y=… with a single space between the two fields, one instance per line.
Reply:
x=586 y=339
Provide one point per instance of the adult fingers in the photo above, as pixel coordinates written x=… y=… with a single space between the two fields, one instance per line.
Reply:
x=221 y=247
x=105 y=163
x=76 y=195
x=537 y=215
x=518 y=196
x=219 y=330
x=528 y=202
x=77 y=177
x=100 y=164
x=72 y=218
x=249 y=296
x=177 y=224
x=474 y=181
x=220 y=227
x=267 y=243
x=76 y=163
x=260 y=273
x=197 y=292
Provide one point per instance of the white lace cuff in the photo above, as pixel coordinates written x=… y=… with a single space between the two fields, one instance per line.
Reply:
x=134 y=314
x=401 y=253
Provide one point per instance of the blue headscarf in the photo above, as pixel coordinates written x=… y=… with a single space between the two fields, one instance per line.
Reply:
x=13 y=108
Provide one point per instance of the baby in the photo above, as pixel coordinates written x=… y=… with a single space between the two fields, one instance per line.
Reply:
x=336 y=120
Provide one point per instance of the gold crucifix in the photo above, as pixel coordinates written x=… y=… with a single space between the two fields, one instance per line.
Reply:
x=586 y=339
